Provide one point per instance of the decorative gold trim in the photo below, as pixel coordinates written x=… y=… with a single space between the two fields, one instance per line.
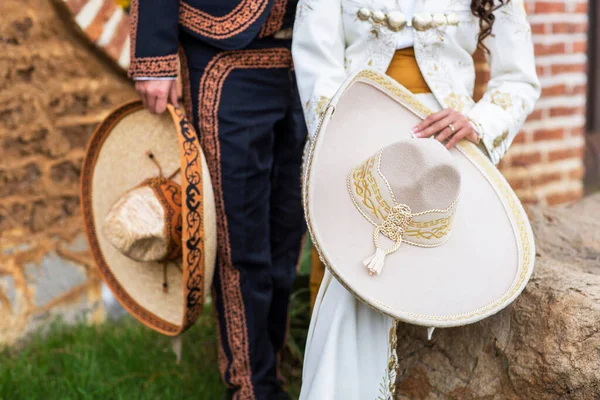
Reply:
x=508 y=198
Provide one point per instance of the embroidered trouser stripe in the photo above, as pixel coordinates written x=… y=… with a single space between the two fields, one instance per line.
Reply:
x=252 y=133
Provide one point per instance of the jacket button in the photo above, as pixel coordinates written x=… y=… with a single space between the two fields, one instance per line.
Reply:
x=439 y=20
x=396 y=20
x=378 y=17
x=452 y=19
x=422 y=21
x=364 y=14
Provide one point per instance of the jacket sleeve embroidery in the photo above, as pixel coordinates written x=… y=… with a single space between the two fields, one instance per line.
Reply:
x=513 y=88
x=318 y=55
x=154 y=38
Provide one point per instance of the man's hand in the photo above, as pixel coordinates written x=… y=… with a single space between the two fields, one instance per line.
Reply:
x=156 y=93
x=447 y=124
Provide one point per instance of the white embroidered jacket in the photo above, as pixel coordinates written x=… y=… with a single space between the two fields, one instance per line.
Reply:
x=334 y=38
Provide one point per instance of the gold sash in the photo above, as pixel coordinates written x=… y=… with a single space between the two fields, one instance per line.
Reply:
x=404 y=69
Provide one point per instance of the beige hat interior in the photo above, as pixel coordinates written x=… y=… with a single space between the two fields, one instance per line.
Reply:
x=116 y=164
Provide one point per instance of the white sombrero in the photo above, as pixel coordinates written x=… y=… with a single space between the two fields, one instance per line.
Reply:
x=426 y=236
x=149 y=215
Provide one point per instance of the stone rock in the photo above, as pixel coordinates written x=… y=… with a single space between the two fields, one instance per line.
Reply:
x=53 y=277
x=545 y=346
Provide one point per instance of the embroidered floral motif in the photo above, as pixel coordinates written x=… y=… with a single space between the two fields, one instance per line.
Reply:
x=303 y=8
x=458 y=102
x=347 y=63
x=500 y=99
x=239 y=19
x=314 y=110
x=387 y=388
x=211 y=86
x=275 y=19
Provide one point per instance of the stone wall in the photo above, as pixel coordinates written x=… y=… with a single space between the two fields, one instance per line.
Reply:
x=545 y=163
x=53 y=92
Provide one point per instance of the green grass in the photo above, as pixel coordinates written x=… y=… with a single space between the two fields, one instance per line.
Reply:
x=125 y=360
x=113 y=361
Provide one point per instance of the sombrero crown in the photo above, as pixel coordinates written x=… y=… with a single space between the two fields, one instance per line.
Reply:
x=409 y=192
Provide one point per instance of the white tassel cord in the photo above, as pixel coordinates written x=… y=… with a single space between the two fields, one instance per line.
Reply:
x=430 y=333
x=375 y=263
x=176 y=347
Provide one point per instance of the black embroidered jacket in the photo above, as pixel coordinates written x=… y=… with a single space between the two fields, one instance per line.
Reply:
x=225 y=24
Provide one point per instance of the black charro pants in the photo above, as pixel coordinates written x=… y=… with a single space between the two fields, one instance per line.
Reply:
x=246 y=108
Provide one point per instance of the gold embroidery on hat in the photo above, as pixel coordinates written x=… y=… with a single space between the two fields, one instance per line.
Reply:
x=396 y=222
x=435 y=229
x=367 y=189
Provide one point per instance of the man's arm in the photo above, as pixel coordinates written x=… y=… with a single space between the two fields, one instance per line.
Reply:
x=154 y=42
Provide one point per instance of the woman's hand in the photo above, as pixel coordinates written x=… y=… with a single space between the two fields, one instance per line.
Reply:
x=156 y=93
x=447 y=124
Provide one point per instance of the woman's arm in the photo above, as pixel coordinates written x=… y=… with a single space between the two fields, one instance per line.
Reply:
x=513 y=88
x=318 y=50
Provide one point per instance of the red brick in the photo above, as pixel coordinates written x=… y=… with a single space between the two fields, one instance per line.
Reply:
x=573 y=132
x=564 y=111
x=538 y=29
x=563 y=154
x=542 y=49
x=549 y=134
x=544 y=7
x=577 y=173
x=541 y=71
x=520 y=138
x=580 y=47
x=570 y=196
x=546 y=178
x=529 y=8
x=560 y=68
x=581 y=8
x=504 y=163
x=529 y=198
x=530 y=182
x=579 y=89
x=569 y=27
x=525 y=159
x=519 y=183
x=556 y=90
x=536 y=115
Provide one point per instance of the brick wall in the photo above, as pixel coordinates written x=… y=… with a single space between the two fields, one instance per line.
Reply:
x=545 y=163
x=53 y=92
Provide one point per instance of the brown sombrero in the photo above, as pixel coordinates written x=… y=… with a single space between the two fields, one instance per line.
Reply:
x=149 y=215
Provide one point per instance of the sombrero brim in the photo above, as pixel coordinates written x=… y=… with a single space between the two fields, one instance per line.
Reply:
x=481 y=269
x=116 y=161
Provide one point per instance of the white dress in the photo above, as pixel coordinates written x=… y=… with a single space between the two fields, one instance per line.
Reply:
x=348 y=347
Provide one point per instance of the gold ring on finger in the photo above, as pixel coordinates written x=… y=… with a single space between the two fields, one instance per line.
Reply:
x=452 y=128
